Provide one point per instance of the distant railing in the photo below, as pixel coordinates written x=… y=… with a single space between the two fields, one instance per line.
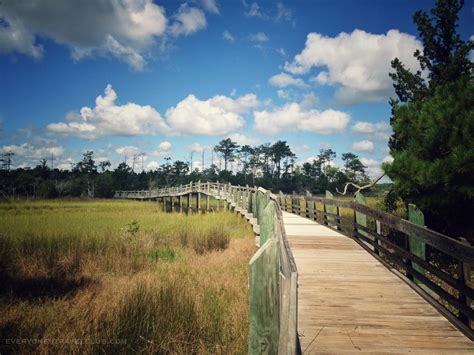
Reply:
x=273 y=277
x=437 y=266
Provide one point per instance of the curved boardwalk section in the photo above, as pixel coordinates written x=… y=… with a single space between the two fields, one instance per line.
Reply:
x=349 y=302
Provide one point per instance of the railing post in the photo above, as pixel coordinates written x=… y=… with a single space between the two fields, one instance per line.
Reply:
x=307 y=203
x=198 y=196
x=264 y=330
x=188 y=203
x=247 y=198
x=329 y=209
x=416 y=245
x=293 y=204
x=282 y=201
x=315 y=211
x=465 y=276
x=361 y=219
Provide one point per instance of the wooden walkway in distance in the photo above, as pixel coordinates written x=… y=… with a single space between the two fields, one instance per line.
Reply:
x=349 y=302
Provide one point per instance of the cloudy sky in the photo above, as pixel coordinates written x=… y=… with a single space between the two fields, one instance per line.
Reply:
x=166 y=78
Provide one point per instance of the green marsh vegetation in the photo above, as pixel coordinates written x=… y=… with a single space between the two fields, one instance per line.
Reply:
x=101 y=276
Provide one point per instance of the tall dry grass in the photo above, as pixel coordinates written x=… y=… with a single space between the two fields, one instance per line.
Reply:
x=115 y=276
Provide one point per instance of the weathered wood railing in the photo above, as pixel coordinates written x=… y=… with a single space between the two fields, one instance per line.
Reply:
x=273 y=277
x=435 y=265
x=438 y=267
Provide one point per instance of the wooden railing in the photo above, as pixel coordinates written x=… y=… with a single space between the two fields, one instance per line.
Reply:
x=438 y=267
x=273 y=277
x=435 y=265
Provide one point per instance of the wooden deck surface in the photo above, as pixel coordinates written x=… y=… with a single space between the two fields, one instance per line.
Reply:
x=349 y=302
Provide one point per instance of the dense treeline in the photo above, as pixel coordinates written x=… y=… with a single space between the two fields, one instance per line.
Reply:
x=269 y=165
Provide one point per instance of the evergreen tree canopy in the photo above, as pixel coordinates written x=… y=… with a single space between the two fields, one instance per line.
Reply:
x=433 y=124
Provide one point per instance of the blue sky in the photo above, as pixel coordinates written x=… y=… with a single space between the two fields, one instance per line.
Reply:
x=168 y=77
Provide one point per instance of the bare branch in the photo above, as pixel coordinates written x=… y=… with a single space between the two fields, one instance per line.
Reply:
x=360 y=188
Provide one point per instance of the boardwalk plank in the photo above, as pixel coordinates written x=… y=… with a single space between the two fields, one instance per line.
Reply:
x=349 y=302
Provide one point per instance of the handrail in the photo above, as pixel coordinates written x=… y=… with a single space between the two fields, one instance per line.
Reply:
x=273 y=276
x=443 y=242
x=449 y=286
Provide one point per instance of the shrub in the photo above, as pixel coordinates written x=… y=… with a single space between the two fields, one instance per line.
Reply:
x=217 y=238
x=165 y=254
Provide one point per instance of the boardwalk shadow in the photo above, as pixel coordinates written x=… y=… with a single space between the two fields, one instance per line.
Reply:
x=42 y=287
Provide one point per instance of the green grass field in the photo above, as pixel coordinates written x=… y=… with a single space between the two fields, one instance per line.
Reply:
x=121 y=276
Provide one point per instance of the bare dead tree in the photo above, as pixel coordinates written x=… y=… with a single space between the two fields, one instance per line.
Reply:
x=360 y=188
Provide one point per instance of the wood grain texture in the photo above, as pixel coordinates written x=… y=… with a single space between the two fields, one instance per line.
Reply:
x=264 y=330
x=349 y=302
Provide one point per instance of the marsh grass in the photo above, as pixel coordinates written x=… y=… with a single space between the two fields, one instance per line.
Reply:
x=116 y=276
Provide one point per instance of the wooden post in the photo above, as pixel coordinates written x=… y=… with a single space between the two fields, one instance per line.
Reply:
x=416 y=245
x=264 y=330
x=281 y=200
x=188 y=203
x=255 y=202
x=198 y=202
x=338 y=219
x=180 y=204
x=172 y=203
x=293 y=203
x=207 y=202
x=267 y=222
x=361 y=219
x=329 y=208
x=465 y=276
x=307 y=204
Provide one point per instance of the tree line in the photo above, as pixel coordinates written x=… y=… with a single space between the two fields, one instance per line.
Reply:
x=272 y=166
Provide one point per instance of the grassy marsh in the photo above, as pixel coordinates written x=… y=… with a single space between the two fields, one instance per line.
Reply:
x=122 y=276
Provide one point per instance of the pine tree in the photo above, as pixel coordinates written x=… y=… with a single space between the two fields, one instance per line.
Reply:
x=433 y=124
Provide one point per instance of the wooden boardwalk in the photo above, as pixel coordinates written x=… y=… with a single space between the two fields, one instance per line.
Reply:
x=349 y=302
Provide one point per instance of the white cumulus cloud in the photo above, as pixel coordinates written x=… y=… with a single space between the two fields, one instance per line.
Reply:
x=29 y=151
x=188 y=20
x=165 y=145
x=124 y=29
x=363 y=146
x=379 y=130
x=293 y=117
x=358 y=62
x=218 y=115
x=243 y=139
x=197 y=148
x=374 y=168
x=283 y=80
x=164 y=150
x=127 y=151
x=210 y=6
x=152 y=165
x=108 y=118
